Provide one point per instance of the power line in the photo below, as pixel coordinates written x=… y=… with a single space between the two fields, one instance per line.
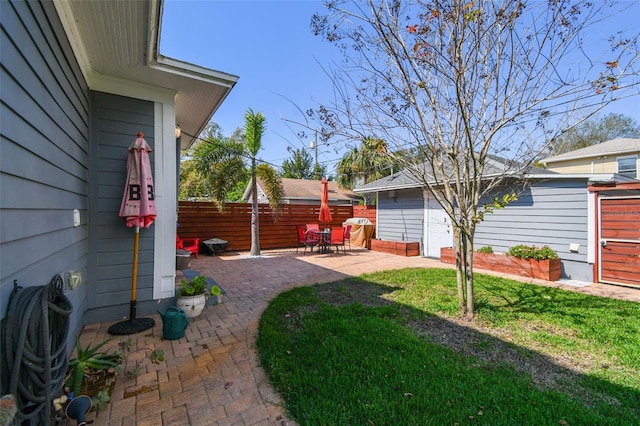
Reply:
x=248 y=157
x=244 y=155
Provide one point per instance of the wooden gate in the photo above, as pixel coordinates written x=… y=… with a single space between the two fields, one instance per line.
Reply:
x=619 y=240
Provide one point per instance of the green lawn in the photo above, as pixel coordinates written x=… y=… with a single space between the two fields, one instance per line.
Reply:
x=389 y=349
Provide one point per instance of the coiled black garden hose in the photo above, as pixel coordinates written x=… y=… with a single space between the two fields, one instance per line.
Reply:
x=36 y=334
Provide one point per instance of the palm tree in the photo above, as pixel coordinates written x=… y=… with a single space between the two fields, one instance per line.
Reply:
x=218 y=161
x=365 y=164
x=253 y=130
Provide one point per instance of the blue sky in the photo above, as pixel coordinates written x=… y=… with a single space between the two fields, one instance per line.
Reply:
x=270 y=46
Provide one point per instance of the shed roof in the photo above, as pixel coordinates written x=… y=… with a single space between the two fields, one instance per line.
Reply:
x=405 y=179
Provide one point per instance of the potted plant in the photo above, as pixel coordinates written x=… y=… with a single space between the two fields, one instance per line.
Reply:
x=93 y=370
x=193 y=295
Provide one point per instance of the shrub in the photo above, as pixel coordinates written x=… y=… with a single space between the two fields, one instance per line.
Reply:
x=485 y=249
x=522 y=251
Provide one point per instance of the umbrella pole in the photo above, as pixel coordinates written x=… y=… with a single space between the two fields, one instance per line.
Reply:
x=133 y=325
x=134 y=275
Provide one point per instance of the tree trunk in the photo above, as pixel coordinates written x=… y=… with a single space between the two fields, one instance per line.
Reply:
x=468 y=261
x=459 y=272
x=255 y=226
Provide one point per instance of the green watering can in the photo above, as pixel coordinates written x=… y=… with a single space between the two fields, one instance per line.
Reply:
x=174 y=322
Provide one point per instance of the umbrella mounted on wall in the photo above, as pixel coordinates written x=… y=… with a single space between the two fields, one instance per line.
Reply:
x=138 y=209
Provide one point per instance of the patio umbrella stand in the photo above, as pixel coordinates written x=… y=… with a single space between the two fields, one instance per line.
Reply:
x=133 y=324
x=138 y=209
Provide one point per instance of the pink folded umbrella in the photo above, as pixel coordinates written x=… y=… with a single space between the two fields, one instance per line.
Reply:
x=138 y=206
x=138 y=209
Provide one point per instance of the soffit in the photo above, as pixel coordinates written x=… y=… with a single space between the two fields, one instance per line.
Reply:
x=120 y=39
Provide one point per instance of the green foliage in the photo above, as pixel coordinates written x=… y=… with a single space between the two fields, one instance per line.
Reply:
x=319 y=170
x=235 y=194
x=193 y=287
x=272 y=186
x=303 y=166
x=197 y=286
x=364 y=164
x=101 y=400
x=192 y=186
x=254 y=127
x=497 y=203
x=485 y=249
x=595 y=131
x=157 y=355
x=367 y=163
x=522 y=251
x=300 y=166
x=219 y=164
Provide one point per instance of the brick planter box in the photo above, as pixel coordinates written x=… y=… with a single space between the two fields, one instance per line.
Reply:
x=400 y=248
x=550 y=270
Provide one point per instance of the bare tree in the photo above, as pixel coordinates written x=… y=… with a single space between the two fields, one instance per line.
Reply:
x=461 y=83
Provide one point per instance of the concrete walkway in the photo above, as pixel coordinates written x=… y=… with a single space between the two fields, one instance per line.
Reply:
x=212 y=375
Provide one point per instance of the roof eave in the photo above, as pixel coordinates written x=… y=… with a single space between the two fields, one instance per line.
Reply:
x=385 y=188
x=199 y=91
x=551 y=160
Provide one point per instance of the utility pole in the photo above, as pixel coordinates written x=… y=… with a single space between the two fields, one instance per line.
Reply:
x=314 y=145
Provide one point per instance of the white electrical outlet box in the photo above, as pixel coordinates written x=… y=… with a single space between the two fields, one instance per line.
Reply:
x=574 y=248
x=76 y=217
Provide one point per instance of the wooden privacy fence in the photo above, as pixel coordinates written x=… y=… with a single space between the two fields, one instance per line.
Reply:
x=203 y=220
x=368 y=212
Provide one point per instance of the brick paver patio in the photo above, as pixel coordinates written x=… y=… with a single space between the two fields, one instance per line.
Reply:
x=212 y=375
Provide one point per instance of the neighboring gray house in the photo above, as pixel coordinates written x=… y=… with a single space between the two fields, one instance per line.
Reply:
x=79 y=80
x=553 y=209
x=305 y=191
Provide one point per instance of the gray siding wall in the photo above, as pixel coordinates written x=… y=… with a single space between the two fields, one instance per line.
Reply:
x=115 y=122
x=44 y=150
x=401 y=218
x=552 y=213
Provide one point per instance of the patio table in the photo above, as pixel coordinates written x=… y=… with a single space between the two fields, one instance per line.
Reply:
x=325 y=238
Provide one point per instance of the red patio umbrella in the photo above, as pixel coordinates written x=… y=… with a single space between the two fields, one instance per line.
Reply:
x=325 y=211
x=138 y=208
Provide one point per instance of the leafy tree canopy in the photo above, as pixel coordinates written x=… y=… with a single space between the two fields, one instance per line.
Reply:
x=203 y=168
x=595 y=131
x=299 y=166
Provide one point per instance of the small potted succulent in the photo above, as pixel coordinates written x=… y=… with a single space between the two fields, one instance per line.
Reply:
x=193 y=295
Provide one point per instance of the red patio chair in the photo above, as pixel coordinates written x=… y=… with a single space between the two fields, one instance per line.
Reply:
x=337 y=238
x=190 y=244
x=313 y=226
x=306 y=238
x=347 y=235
